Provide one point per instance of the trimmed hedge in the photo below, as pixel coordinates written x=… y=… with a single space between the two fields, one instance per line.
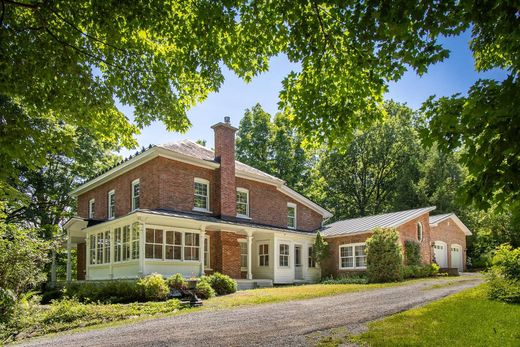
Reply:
x=420 y=271
x=222 y=284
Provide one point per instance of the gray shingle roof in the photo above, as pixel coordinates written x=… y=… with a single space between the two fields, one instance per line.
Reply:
x=439 y=217
x=362 y=224
x=192 y=149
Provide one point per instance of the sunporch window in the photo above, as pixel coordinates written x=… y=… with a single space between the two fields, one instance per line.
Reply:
x=154 y=243
x=173 y=245
x=191 y=246
x=284 y=255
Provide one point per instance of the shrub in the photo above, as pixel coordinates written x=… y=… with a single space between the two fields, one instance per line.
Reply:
x=347 y=279
x=222 y=284
x=384 y=258
x=117 y=291
x=7 y=305
x=153 y=287
x=203 y=289
x=504 y=276
x=420 y=271
x=177 y=281
x=412 y=252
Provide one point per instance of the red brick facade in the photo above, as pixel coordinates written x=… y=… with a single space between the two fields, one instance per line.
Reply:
x=225 y=253
x=407 y=231
x=225 y=174
x=449 y=232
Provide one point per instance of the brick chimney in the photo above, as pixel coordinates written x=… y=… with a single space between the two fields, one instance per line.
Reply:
x=225 y=155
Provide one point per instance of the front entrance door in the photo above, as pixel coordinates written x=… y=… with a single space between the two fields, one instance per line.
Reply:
x=298 y=271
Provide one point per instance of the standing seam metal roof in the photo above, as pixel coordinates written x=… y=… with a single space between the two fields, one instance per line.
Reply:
x=387 y=220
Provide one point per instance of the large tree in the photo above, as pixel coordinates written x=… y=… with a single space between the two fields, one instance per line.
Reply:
x=68 y=59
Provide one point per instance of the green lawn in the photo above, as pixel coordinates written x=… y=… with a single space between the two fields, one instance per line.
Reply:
x=464 y=319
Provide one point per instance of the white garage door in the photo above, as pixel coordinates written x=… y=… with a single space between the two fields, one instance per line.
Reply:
x=440 y=249
x=456 y=257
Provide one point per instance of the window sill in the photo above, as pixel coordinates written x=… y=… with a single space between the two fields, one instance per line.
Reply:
x=353 y=268
x=243 y=216
x=171 y=261
x=198 y=209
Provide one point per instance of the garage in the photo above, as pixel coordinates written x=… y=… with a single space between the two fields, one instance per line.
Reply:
x=440 y=250
x=456 y=257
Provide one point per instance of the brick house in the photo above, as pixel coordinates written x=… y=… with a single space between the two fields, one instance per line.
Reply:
x=435 y=235
x=182 y=208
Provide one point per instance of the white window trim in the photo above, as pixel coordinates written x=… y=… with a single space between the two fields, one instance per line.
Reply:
x=91 y=207
x=420 y=228
x=207 y=237
x=183 y=244
x=288 y=255
x=241 y=242
x=353 y=245
x=206 y=182
x=109 y=214
x=290 y=204
x=309 y=257
x=244 y=190
x=268 y=255
x=134 y=183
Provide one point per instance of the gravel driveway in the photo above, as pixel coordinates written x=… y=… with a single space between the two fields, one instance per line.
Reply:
x=278 y=324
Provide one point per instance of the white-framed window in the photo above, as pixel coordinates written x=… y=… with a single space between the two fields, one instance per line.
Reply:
x=284 y=255
x=136 y=192
x=126 y=243
x=111 y=204
x=173 y=245
x=91 y=208
x=263 y=254
x=154 y=243
x=311 y=262
x=291 y=215
x=191 y=246
x=352 y=256
x=242 y=202
x=135 y=240
x=92 y=249
x=118 y=245
x=207 y=262
x=419 y=232
x=99 y=244
x=243 y=255
x=201 y=197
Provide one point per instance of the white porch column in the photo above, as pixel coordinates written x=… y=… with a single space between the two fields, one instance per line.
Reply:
x=202 y=237
x=112 y=248
x=249 y=254
x=69 y=275
x=142 y=235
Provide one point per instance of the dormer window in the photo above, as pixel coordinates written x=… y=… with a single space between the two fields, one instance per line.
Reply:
x=291 y=215
x=136 y=192
x=91 y=208
x=201 y=198
x=111 y=204
x=242 y=202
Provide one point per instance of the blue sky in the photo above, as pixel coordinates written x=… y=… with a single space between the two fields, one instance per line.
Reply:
x=455 y=74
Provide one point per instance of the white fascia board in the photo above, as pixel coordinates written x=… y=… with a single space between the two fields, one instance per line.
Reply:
x=303 y=200
x=140 y=159
x=346 y=234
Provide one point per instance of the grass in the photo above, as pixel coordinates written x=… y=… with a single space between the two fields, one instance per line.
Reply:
x=69 y=315
x=468 y=318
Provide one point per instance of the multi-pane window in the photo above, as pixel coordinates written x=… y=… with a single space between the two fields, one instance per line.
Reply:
x=206 y=252
x=107 y=247
x=173 y=245
x=92 y=245
x=135 y=240
x=154 y=243
x=311 y=262
x=99 y=248
x=191 y=246
x=352 y=256
x=111 y=204
x=91 y=208
x=419 y=232
x=291 y=215
x=263 y=254
x=100 y=243
x=201 y=198
x=136 y=191
x=284 y=255
x=242 y=202
x=126 y=243
x=118 y=244
x=243 y=255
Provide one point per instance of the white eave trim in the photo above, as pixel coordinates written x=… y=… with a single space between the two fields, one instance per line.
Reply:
x=140 y=159
x=303 y=200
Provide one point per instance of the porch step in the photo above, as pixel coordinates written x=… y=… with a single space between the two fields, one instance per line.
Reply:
x=244 y=284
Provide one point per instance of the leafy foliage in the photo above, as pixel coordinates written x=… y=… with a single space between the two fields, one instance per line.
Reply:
x=177 y=281
x=22 y=259
x=320 y=249
x=420 y=271
x=346 y=279
x=120 y=291
x=412 y=252
x=8 y=304
x=384 y=257
x=222 y=284
x=153 y=287
x=504 y=275
x=204 y=289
